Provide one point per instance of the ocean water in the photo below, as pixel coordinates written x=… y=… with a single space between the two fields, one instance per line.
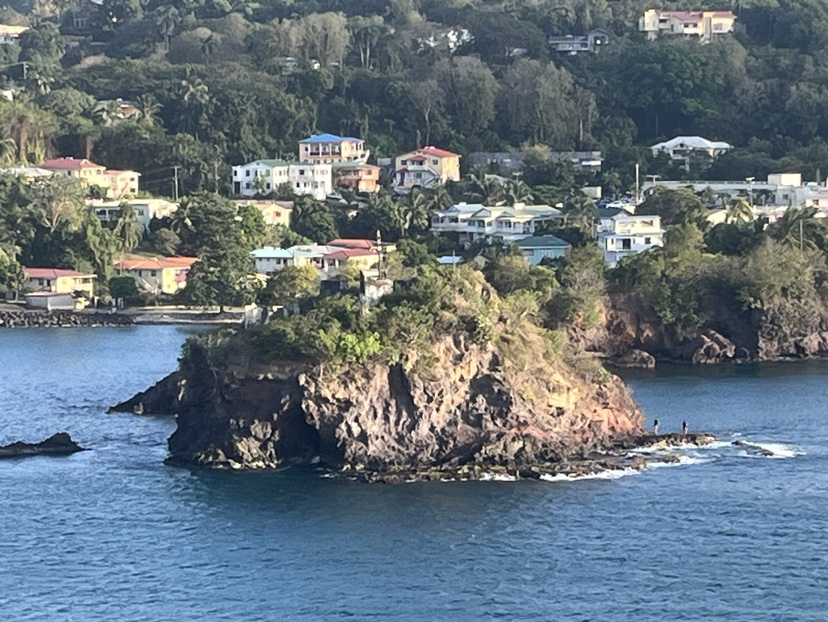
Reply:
x=112 y=534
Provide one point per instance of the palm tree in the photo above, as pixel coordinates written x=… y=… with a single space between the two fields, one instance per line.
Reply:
x=580 y=211
x=516 y=191
x=739 y=210
x=128 y=229
x=148 y=107
x=800 y=228
x=485 y=188
x=8 y=150
x=417 y=207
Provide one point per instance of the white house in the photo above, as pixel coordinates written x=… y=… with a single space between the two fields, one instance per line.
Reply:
x=269 y=259
x=685 y=148
x=262 y=177
x=494 y=224
x=145 y=209
x=624 y=234
x=702 y=24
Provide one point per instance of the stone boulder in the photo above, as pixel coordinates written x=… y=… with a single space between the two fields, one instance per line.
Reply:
x=635 y=359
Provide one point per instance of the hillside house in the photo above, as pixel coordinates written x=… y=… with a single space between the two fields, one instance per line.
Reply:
x=502 y=224
x=428 y=167
x=536 y=248
x=357 y=176
x=59 y=281
x=114 y=184
x=593 y=42
x=262 y=177
x=625 y=234
x=702 y=24
x=157 y=275
x=332 y=149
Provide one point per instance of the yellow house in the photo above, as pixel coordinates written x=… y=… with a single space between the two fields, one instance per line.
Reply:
x=60 y=281
x=157 y=275
x=426 y=168
x=359 y=176
x=330 y=149
x=273 y=212
x=116 y=184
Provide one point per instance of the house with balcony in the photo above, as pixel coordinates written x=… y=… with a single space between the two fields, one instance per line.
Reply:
x=625 y=234
x=701 y=24
x=262 y=177
x=427 y=167
x=332 y=149
x=157 y=275
x=145 y=209
x=500 y=224
x=357 y=176
x=58 y=281
x=593 y=42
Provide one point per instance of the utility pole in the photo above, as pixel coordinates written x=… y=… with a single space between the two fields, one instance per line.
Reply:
x=175 y=170
x=637 y=184
x=800 y=236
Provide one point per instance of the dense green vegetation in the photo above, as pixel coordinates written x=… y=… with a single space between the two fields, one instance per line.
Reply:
x=217 y=83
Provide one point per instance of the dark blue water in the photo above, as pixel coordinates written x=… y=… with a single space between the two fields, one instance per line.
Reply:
x=113 y=534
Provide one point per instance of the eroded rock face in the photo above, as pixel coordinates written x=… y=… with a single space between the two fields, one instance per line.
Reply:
x=472 y=410
x=785 y=329
x=162 y=398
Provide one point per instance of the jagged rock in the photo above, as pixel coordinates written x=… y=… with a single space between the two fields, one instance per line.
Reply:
x=162 y=398
x=635 y=359
x=472 y=412
x=60 y=444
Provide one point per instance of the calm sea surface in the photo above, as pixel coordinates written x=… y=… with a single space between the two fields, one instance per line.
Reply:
x=112 y=534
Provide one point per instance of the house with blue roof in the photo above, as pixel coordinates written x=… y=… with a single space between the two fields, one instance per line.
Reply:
x=332 y=149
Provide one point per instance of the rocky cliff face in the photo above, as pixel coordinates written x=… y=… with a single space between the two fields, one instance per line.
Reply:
x=473 y=411
x=632 y=334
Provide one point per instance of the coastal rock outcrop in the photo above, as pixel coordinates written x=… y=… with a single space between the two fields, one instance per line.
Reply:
x=783 y=329
x=473 y=411
x=60 y=444
x=162 y=398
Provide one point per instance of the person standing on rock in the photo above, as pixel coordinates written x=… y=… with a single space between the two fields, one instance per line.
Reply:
x=684 y=427
x=655 y=426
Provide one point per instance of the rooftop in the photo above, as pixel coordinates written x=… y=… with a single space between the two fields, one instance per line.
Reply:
x=543 y=241
x=270 y=252
x=55 y=273
x=353 y=243
x=435 y=151
x=692 y=142
x=329 y=138
x=70 y=164
x=154 y=263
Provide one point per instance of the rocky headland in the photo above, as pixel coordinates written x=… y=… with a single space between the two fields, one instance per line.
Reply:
x=471 y=403
x=632 y=335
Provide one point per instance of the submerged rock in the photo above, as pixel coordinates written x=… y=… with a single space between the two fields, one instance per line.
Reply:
x=60 y=444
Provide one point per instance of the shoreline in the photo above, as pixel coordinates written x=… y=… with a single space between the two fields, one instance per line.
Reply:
x=38 y=318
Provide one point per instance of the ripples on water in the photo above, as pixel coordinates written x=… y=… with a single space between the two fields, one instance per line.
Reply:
x=112 y=534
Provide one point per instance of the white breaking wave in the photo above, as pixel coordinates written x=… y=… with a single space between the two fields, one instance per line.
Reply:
x=609 y=474
x=774 y=450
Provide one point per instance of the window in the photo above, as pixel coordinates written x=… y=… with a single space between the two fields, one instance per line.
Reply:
x=247 y=173
x=403 y=162
x=626 y=244
x=435 y=161
x=717 y=26
x=152 y=273
x=648 y=240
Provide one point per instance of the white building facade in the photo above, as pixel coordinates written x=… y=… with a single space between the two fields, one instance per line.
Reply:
x=262 y=177
x=624 y=234
x=503 y=224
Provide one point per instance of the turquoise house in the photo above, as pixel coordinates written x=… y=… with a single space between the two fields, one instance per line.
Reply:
x=538 y=247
